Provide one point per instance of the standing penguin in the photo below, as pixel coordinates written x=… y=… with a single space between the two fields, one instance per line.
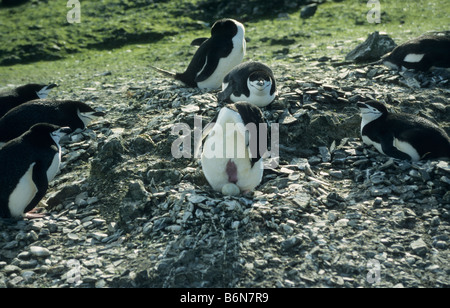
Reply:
x=251 y=82
x=15 y=97
x=73 y=114
x=402 y=136
x=422 y=53
x=215 y=57
x=232 y=160
x=27 y=164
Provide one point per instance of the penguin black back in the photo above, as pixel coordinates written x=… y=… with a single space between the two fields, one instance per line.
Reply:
x=251 y=114
x=12 y=98
x=429 y=140
x=24 y=169
x=73 y=114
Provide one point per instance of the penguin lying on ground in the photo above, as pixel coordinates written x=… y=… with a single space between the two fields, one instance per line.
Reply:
x=232 y=160
x=27 y=164
x=215 y=57
x=73 y=114
x=15 y=97
x=422 y=53
x=401 y=135
x=251 y=82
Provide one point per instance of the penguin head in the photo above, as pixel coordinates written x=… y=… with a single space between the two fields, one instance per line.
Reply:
x=391 y=60
x=40 y=133
x=43 y=92
x=372 y=110
x=33 y=91
x=227 y=28
x=85 y=114
x=259 y=83
x=88 y=116
x=59 y=133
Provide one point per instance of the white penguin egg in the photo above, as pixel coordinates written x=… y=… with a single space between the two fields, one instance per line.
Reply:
x=230 y=189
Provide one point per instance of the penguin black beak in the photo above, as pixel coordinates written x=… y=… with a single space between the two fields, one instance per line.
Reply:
x=52 y=85
x=65 y=130
x=361 y=105
x=99 y=114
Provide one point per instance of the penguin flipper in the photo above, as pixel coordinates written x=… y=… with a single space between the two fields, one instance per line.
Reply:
x=387 y=145
x=41 y=182
x=217 y=49
x=205 y=133
x=224 y=96
x=198 y=41
x=164 y=72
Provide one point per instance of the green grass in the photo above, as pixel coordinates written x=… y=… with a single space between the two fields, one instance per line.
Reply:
x=126 y=36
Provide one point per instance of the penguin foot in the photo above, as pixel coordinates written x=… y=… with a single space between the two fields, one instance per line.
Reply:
x=33 y=215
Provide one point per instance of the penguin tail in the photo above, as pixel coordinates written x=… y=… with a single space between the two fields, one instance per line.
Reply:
x=379 y=62
x=357 y=65
x=164 y=72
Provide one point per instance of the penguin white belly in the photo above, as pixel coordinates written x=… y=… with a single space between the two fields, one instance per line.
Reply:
x=377 y=145
x=54 y=167
x=407 y=148
x=215 y=171
x=22 y=194
x=224 y=66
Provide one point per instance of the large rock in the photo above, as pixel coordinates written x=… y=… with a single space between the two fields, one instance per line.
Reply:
x=308 y=11
x=372 y=49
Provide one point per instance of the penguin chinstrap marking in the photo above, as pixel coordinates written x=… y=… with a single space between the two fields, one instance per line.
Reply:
x=74 y=114
x=27 y=164
x=232 y=160
x=422 y=53
x=15 y=97
x=215 y=57
x=402 y=136
x=251 y=82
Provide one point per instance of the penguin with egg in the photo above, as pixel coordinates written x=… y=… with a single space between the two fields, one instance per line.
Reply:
x=233 y=149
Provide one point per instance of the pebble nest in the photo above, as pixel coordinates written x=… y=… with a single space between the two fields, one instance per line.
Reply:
x=123 y=212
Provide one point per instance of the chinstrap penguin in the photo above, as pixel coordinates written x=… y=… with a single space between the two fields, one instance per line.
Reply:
x=13 y=98
x=73 y=114
x=27 y=164
x=402 y=136
x=215 y=57
x=232 y=157
x=422 y=53
x=251 y=82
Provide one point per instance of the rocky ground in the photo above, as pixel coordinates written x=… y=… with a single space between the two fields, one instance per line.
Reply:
x=124 y=213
